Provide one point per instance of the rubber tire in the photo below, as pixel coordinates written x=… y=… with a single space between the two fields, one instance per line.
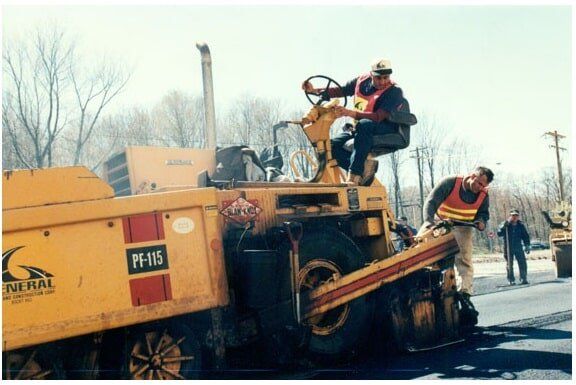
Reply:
x=47 y=357
x=563 y=260
x=189 y=347
x=333 y=245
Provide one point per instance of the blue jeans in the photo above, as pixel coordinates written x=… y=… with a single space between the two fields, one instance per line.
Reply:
x=363 y=142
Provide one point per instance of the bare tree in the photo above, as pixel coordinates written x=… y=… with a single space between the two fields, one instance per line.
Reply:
x=431 y=135
x=395 y=160
x=92 y=94
x=249 y=121
x=180 y=119
x=44 y=96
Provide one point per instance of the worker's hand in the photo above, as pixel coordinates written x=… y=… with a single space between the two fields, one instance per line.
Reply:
x=480 y=225
x=341 y=111
x=308 y=87
x=527 y=249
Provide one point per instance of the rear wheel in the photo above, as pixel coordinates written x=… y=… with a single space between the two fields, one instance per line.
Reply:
x=563 y=260
x=167 y=351
x=40 y=363
x=326 y=255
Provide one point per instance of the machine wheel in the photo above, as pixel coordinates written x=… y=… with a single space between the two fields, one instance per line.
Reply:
x=163 y=351
x=41 y=363
x=563 y=260
x=326 y=255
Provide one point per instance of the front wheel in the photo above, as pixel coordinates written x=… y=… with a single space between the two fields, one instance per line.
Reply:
x=327 y=255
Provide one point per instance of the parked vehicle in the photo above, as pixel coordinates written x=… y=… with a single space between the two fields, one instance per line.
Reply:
x=539 y=245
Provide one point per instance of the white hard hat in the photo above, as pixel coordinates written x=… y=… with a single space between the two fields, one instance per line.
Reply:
x=381 y=67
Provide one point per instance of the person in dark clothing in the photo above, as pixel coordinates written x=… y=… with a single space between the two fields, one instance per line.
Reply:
x=514 y=234
x=375 y=97
x=407 y=231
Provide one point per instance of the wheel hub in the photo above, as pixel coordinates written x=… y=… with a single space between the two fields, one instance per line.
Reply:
x=314 y=274
x=156 y=361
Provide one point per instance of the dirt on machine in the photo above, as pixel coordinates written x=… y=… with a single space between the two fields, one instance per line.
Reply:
x=164 y=271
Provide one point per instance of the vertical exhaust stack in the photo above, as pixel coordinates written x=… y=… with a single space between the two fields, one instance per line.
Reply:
x=209 y=111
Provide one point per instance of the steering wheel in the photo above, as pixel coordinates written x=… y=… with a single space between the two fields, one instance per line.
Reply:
x=323 y=96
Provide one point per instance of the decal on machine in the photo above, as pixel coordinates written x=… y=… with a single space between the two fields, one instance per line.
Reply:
x=353 y=200
x=147 y=290
x=211 y=210
x=374 y=203
x=145 y=259
x=241 y=210
x=183 y=225
x=34 y=282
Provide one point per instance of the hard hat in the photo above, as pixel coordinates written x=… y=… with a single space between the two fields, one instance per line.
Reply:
x=381 y=67
x=514 y=212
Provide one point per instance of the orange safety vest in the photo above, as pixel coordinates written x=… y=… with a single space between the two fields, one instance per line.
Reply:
x=454 y=208
x=366 y=103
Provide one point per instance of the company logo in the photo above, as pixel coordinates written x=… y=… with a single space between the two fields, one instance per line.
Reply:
x=179 y=162
x=241 y=210
x=37 y=282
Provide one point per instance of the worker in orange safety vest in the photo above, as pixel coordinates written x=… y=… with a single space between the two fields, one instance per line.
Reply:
x=465 y=199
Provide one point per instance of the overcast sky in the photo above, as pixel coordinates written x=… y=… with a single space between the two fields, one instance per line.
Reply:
x=499 y=75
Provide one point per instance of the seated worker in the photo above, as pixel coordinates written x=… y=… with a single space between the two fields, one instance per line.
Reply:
x=375 y=96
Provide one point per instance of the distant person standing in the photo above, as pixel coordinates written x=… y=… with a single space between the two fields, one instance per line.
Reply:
x=406 y=232
x=514 y=233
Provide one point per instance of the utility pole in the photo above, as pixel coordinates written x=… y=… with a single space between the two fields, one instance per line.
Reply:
x=418 y=158
x=556 y=135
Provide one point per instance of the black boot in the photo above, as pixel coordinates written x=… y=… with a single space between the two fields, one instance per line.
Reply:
x=468 y=313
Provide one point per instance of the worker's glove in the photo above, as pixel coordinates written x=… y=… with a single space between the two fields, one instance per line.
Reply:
x=527 y=249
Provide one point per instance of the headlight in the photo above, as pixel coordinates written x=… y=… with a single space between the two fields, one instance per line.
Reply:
x=565 y=223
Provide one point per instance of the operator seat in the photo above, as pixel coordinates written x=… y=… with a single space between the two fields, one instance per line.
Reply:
x=389 y=143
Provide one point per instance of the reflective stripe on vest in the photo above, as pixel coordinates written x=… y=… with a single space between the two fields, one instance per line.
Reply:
x=454 y=208
x=365 y=103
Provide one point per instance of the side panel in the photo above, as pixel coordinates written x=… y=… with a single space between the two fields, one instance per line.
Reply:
x=83 y=267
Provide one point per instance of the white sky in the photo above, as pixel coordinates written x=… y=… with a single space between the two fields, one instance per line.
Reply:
x=499 y=75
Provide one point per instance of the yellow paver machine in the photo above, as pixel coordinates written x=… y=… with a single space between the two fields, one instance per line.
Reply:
x=189 y=278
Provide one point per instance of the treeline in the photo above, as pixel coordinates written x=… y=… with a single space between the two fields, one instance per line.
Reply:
x=56 y=111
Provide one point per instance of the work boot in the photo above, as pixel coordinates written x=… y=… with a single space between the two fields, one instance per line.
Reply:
x=468 y=313
x=370 y=168
x=511 y=283
x=524 y=282
x=353 y=179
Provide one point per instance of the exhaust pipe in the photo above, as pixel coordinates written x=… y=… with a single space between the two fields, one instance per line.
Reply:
x=209 y=112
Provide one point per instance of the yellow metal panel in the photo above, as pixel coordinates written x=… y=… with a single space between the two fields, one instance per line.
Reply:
x=27 y=188
x=367 y=227
x=167 y=166
x=87 y=284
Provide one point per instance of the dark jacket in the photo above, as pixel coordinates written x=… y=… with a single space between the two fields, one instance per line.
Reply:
x=514 y=235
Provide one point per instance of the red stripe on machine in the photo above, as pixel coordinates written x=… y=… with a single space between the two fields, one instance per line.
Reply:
x=143 y=228
x=149 y=290
x=380 y=275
